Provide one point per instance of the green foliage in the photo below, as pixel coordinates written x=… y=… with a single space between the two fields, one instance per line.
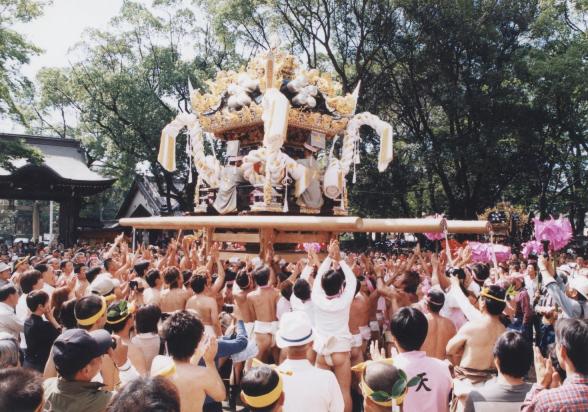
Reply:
x=14 y=52
x=488 y=99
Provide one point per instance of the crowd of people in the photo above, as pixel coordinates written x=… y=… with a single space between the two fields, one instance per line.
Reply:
x=177 y=328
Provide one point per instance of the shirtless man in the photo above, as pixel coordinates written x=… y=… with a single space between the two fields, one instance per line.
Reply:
x=262 y=304
x=174 y=297
x=441 y=329
x=204 y=305
x=183 y=333
x=471 y=349
x=332 y=295
x=358 y=321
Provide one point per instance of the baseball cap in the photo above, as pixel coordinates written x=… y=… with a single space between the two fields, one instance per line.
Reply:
x=75 y=348
x=580 y=283
x=295 y=330
x=4 y=267
x=103 y=286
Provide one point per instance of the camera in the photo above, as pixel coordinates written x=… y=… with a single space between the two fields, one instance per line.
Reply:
x=457 y=272
x=133 y=284
x=228 y=308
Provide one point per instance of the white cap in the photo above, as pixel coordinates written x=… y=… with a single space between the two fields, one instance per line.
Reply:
x=580 y=283
x=256 y=262
x=295 y=330
x=4 y=266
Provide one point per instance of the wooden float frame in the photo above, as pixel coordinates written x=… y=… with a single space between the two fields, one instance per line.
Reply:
x=275 y=229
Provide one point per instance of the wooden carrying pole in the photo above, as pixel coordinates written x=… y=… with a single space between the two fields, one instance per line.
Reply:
x=309 y=223
x=401 y=225
x=469 y=226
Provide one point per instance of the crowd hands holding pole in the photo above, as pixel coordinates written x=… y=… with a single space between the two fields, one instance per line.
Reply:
x=180 y=329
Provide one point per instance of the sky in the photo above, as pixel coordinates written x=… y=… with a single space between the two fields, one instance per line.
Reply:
x=61 y=26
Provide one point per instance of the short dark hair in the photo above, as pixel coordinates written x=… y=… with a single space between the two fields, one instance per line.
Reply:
x=6 y=291
x=21 y=390
x=258 y=382
x=435 y=300
x=243 y=279
x=140 y=268
x=198 y=283
x=332 y=282
x=480 y=272
x=29 y=279
x=171 y=275
x=41 y=267
x=286 y=290
x=493 y=306
x=409 y=327
x=410 y=281
x=302 y=290
x=67 y=316
x=261 y=276
x=146 y=318
x=63 y=263
x=152 y=276
x=36 y=298
x=572 y=334
x=86 y=307
x=92 y=273
x=514 y=354
x=146 y=394
x=182 y=332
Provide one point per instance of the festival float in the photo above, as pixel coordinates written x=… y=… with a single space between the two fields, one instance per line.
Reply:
x=291 y=139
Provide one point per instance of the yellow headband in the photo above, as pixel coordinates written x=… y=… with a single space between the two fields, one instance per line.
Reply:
x=486 y=293
x=129 y=312
x=367 y=391
x=94 y=318
x=264 y=400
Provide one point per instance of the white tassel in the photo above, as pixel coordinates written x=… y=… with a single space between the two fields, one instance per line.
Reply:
x=354 y=174
x=285 y=209
x=189 y=153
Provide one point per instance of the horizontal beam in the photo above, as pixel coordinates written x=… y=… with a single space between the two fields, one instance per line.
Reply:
x=236 y=237
x=296 y=237
x=401 y=225
x=309 y=223
x=319 y=223
x=469 y=226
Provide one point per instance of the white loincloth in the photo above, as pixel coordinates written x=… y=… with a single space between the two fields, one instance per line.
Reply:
x=356 y=341
x=326 y=346
x=374 y=326
x=209 y=330
x=269 y=328
x=365 y=332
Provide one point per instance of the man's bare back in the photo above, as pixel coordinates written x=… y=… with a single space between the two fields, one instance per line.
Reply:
x=206 y=308
x=173 y=299
x=476 y=339
x=194 y=383
x=440 y=331
x=243 y=306
x=262 y=302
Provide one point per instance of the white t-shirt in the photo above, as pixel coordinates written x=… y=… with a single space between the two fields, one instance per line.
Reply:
x=309 y=389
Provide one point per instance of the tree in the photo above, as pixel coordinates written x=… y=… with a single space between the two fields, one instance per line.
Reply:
x=131 y=81
x=14 y=52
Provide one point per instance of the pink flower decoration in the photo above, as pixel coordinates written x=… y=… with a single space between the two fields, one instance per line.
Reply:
x=557 y=231
x=532 y=246
x=482 y=252
x=312 y=246
x=435 y=235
